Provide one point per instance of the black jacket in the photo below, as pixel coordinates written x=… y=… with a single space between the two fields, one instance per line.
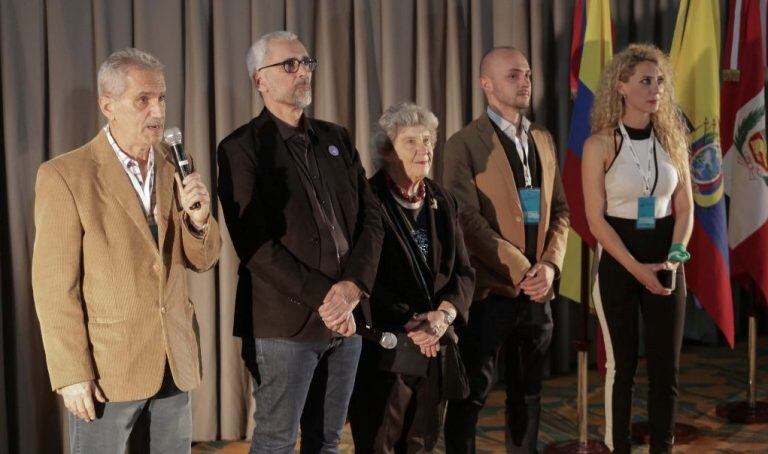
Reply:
x=271 y=222
x=397 y=293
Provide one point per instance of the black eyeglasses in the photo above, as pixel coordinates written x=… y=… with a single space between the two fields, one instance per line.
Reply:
x=292 y=64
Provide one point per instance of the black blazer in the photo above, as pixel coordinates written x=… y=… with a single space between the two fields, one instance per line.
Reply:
x=397 y=293
x=271 y=222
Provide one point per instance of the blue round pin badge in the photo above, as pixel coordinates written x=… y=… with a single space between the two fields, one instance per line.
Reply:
x=333 y=150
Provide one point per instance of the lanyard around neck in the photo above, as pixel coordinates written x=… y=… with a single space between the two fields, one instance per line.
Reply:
x=645 y=174
x=521 y=143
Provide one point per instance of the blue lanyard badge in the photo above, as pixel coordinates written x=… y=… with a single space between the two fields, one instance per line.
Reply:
x=530 y=199
x=646 y=213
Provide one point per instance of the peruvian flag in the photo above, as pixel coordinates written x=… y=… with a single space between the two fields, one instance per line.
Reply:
x=743 y=138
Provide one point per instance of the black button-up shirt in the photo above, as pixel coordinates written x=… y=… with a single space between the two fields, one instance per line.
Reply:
x=331 y=242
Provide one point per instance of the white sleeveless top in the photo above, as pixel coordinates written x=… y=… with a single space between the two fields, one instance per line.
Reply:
x=624 y=183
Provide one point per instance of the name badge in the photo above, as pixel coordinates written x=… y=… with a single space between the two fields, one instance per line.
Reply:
x=646 y=213
x=530 y=199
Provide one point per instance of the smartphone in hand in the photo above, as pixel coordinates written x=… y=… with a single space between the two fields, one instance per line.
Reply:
x=667 y=278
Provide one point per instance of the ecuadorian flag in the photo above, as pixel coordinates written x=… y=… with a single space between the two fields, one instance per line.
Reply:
x=695 y=56
x=596 y=51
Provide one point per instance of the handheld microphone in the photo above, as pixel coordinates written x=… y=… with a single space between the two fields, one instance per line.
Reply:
x=173 y=138
x=384 y=339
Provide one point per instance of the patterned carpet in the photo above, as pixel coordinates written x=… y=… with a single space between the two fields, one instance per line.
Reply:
x=709 y=376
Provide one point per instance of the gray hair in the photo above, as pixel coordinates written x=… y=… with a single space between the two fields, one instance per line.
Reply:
x=112 y=73
x=400 y=115
x=256 y=55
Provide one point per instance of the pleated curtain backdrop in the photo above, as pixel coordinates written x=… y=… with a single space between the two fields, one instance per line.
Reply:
x=372 y=53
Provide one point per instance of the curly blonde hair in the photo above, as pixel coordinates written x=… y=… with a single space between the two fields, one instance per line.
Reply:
x=669 y=125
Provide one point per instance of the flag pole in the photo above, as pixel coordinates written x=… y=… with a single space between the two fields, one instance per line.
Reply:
x=749 y=411
x=582 y=445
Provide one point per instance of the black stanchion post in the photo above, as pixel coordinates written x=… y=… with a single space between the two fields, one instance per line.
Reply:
x=582 y=445
x=750 y=411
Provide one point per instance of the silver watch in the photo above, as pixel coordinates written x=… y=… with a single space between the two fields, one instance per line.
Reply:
x=448 y=317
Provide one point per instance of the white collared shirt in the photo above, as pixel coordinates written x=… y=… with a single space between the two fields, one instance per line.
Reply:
x=518 y=137
x=144 y=187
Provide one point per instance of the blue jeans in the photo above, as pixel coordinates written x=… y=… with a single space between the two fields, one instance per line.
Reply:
x=158 y=425
x=302 y=383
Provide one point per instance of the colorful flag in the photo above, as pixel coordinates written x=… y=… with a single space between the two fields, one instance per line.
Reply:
x=695 y=56
x=577 y=42
x=743 y=134
x=596 y=44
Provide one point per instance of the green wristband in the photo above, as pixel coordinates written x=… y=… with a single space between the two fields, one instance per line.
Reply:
x=678 y=253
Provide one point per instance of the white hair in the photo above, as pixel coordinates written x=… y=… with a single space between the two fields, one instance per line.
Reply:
x=256 y=55
x=112 y=73
x=400 y=115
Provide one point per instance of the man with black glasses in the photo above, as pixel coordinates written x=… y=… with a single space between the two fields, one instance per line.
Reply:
x=308 y=233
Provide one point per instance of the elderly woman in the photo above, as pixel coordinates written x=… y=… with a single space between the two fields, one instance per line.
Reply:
x=424 y=284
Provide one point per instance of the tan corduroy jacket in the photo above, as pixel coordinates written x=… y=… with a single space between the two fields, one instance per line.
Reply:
x=112 y=305
x=477 y=171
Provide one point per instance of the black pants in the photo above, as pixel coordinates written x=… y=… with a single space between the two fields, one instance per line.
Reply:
x=392 y=413
x=524 y=330
x=623 y=299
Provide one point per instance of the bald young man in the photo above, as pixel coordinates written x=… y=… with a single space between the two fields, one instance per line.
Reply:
x=503 y=170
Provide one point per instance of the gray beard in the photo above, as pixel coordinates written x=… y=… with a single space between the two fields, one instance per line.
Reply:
x=303 y=100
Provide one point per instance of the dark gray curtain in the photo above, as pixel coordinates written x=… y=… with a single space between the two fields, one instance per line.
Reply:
x=372 y=53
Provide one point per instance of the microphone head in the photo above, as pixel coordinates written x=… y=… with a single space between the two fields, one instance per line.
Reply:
x=388 y=341
x=172 y=136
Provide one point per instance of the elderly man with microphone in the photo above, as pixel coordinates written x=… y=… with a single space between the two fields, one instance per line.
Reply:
x=114 y=238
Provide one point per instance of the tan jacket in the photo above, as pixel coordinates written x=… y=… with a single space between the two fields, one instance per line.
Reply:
x=111 y=305
x=477 y=171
